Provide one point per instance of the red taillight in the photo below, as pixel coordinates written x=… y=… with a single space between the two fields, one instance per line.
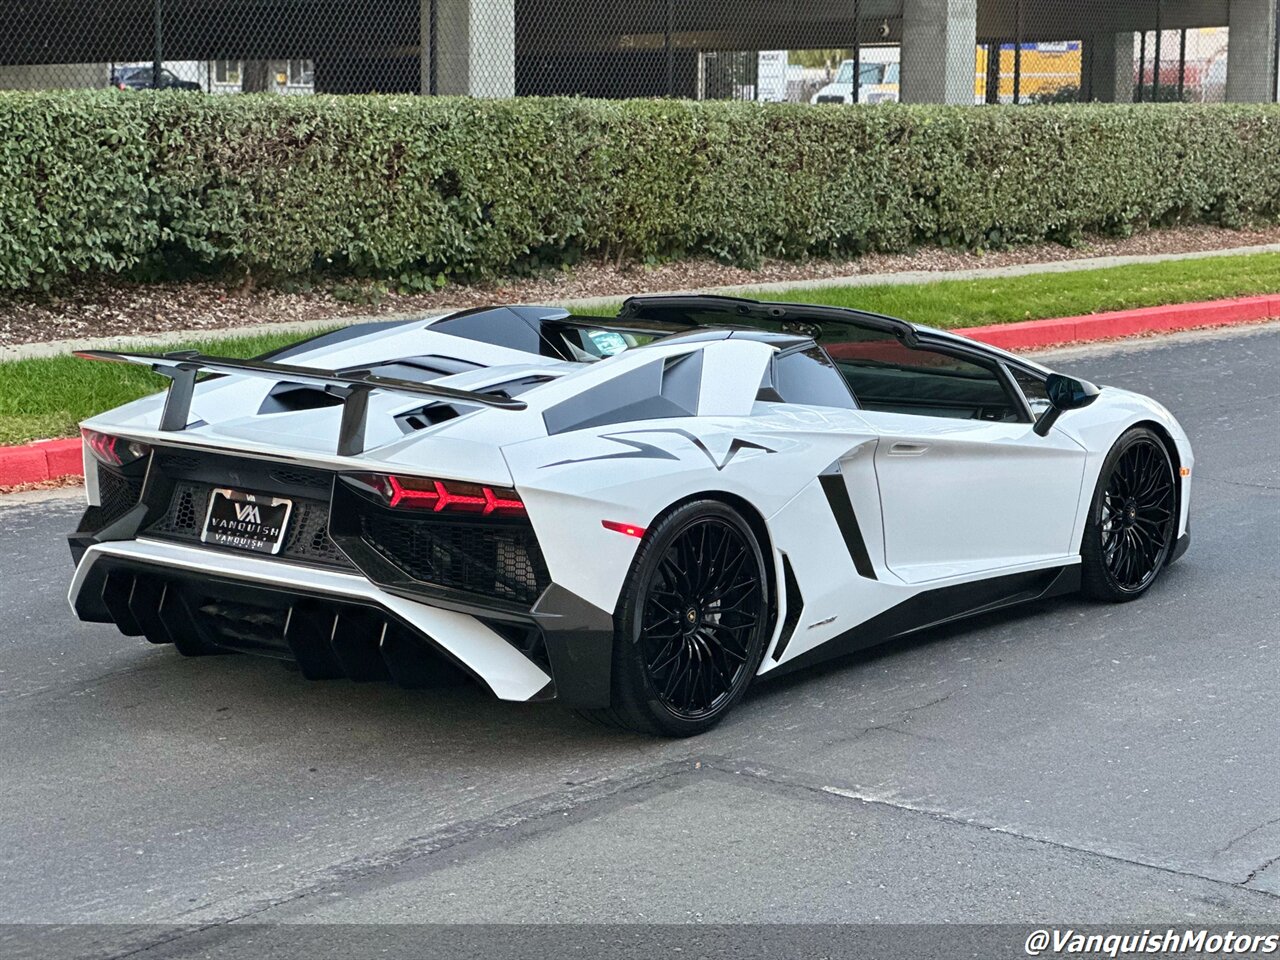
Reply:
x=446 y=496
x=102 y=446
x=499 y=504
x=630 y=529
x=114 y=451
x=408 y=493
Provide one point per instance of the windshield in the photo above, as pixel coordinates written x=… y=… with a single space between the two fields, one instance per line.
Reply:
x=588 y=344
x=870 y=73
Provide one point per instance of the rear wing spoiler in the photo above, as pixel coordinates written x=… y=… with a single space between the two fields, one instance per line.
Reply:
x=352 y=387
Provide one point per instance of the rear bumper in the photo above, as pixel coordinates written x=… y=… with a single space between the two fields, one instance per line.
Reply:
x=331 y=623
x=478 y=595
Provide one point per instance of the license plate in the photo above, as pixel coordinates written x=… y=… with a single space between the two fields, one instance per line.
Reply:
x=246 y=521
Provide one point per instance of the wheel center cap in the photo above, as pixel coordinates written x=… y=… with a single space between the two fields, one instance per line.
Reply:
x=1131 y=513
x=690 y=619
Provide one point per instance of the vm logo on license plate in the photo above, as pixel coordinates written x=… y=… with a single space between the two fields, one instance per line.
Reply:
x=248 y=512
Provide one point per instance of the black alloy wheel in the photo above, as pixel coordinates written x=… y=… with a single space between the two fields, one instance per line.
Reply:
x=692 y=623
x=702 y=609
x=1133 y=518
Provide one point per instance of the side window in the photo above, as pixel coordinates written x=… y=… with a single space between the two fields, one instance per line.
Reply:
x=302 y=73
x=227 y=71
x=1033 y=389
x=885 y=374
x=806 y=376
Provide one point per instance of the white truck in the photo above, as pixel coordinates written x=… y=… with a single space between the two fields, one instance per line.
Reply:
x=878 y=72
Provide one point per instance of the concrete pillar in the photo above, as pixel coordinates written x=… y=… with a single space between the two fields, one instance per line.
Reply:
x=424 y=47
x=475 y=47
x=1108 y=68
x=939 y=40
x=1251 y=50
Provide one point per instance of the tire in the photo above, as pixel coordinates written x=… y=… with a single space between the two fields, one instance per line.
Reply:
x=692 y=623
x=1132 y=521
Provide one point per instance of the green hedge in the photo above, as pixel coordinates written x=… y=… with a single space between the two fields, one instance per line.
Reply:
x=111 y=182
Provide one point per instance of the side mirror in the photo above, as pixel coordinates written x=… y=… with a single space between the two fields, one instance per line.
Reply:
x=1065 y=393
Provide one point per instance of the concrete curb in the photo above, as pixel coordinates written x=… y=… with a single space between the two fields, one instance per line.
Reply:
x=42 y=460
x=49 y=459
x=1033 y=334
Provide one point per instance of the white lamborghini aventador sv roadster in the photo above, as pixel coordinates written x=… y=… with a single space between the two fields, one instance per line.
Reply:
x=636 y=516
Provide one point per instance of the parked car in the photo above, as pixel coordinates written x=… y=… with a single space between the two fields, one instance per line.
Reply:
x=142 y=78
x=635 y=516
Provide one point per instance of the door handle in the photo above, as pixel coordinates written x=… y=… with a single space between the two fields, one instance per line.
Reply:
x=908 y=449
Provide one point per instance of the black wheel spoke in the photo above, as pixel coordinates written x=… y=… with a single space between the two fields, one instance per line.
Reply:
x=671 y=577
x=730 y=649
x=674 y=679
x=667 y=655
x=729 y=639
x=656 y=616
x=662 y=634
x=717 y=562
x=1155 y=500
x=733 y=628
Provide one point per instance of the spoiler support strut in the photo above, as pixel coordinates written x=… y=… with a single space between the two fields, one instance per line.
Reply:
x=353 y=387
x=177 y=401
x=355 y=412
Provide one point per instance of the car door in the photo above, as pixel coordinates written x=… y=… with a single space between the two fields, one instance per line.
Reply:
x=966 y=486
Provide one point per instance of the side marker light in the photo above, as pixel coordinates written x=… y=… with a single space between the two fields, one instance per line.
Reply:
x=630 y=529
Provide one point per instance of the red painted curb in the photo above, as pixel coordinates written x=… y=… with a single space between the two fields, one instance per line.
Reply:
x=47 y=459
x=1125 y=323
x=42 y=460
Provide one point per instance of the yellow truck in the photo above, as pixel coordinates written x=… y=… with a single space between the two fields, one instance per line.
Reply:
x=1046 y=68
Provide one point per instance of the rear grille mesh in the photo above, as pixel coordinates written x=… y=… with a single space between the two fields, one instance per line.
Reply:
x=308 y=537
x=302 y=478
x=117 y=494
x=176 y=462
x=502 y=561
x=307 y=540
x=181 y=520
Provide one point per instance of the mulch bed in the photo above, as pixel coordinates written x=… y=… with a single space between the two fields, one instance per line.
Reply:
x=104 y=308
x=56 y=483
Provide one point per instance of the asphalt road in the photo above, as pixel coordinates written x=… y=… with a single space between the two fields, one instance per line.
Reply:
x=1067 y=761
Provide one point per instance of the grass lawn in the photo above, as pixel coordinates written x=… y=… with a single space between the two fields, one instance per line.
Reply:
x=977 y=303
x=48 y=397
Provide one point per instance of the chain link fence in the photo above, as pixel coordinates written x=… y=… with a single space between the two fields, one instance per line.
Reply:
x=803 y=51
